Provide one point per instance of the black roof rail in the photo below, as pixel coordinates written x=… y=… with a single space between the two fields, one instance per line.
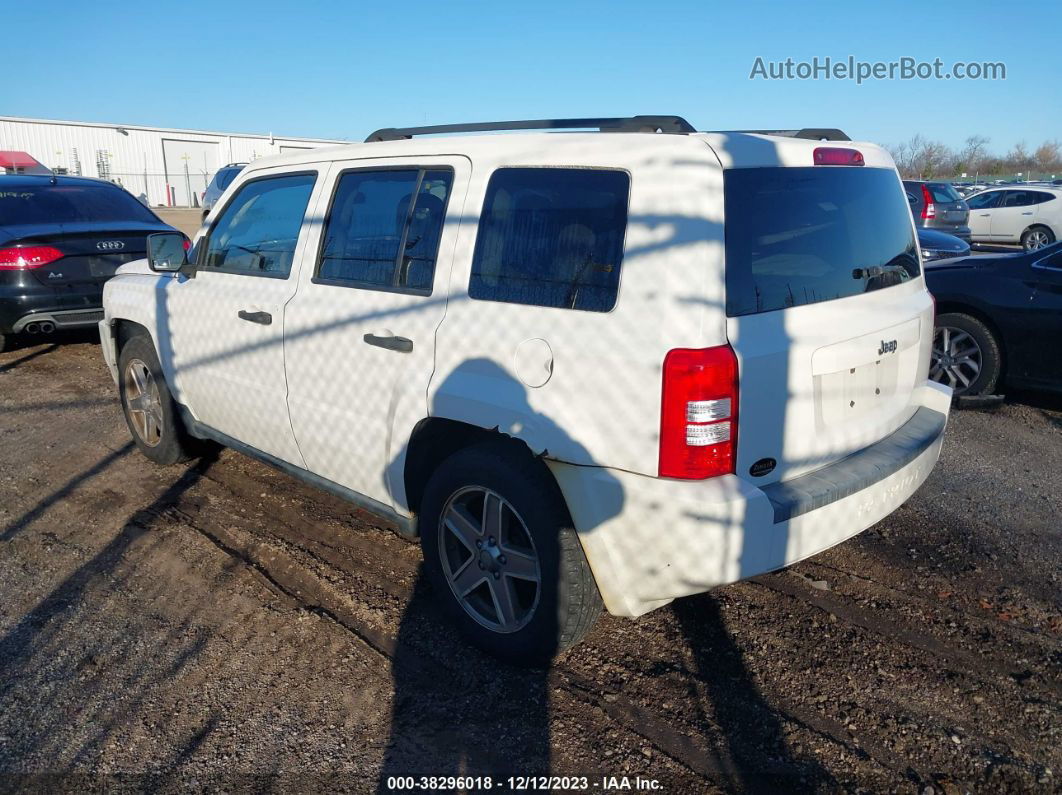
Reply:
x=808 y=133
x=661 y=124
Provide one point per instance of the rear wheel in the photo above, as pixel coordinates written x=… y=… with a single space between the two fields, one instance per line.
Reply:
x=966 y=355
x=500 y=551
x=1036 y=238
x=150 y=411
x=4 y=339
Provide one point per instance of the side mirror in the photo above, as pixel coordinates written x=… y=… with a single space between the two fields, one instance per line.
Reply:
x=166 y=252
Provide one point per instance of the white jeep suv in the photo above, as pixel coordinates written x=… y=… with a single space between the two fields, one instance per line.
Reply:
x=620 y=366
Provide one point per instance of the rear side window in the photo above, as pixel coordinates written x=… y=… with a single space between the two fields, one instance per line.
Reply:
x=798 y=236
x=384 y=227
x=1043 y=197
x=551 y=237
x=258 y=229
x=1018 y=198
x=69 y=204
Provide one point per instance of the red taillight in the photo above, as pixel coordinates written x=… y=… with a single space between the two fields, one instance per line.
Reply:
x=929 y=210
x=837 y=156
x=187 y=244
x=698 y=416
x=21 y=258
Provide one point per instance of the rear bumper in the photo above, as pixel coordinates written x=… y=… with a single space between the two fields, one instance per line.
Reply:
x=23 y=302
x=649 y=540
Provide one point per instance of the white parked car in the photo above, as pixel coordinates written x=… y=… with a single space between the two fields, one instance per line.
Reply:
x=619 y=366
x=1031 y=216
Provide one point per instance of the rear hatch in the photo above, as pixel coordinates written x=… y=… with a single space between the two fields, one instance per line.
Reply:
x=945 y=208
x=826 y=311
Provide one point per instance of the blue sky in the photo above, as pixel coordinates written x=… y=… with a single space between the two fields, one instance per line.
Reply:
x=340 y=70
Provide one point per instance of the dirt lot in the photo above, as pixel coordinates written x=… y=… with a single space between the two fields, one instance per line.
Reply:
x=222 y=624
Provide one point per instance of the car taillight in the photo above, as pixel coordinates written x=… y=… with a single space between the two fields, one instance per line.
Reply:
x=837 y=156
x=929 y=210
x=187 y=244
x=698 y=416
x=20 y=258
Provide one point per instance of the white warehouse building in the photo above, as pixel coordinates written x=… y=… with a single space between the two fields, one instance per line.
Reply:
x=165 y=167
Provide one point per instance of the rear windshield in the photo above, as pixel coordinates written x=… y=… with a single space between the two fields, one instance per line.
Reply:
x=69 y=204
x=943 y=192
x=798 y=236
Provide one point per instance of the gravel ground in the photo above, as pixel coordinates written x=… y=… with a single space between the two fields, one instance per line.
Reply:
x=222 y=625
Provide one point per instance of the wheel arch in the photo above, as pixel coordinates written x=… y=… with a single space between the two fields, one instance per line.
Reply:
x=434 y=439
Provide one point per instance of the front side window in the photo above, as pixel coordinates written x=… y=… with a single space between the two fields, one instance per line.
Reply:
x=259 y=228
x=551 y=237
x=384 y=227
x=984 y=201
x=797 y=236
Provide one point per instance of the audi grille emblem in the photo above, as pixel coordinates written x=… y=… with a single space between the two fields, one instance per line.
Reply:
x=110 y=245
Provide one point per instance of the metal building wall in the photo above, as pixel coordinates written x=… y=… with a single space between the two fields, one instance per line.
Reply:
x=145 y=160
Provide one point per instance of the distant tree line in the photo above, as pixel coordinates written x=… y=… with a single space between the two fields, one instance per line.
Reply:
x=921 y=158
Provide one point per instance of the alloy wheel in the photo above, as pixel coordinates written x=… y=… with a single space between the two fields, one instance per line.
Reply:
x=957 y=358
x=489 y=559
x=143 y=402
x=1037 y=239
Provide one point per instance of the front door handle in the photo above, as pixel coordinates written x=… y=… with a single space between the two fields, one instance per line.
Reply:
x=400 y=344
x=256 y=317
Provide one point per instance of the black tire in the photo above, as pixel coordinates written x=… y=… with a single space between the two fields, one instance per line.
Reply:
x=4 y=341
x=567 y=602
x=949 y=370
x=171 y=444
x=1032 y=239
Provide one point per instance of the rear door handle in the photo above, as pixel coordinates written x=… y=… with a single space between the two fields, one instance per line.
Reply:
x=1028 y=213
x=256 y=317
x=400 y=344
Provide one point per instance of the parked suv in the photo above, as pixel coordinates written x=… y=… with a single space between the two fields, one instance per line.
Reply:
x=1030 y=216
x=61 y=238
x=937 y=205
x=620 y=366
x=223 y=177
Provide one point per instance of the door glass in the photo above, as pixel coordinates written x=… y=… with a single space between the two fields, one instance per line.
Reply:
x=984 y=201
x=383 y=229
x=1017 y=198
x=258 y=230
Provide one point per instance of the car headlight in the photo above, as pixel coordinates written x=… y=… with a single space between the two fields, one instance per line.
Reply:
x=928 y=253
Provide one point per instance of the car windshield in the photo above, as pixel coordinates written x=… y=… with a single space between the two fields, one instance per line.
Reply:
x=68 y=204
x=798 y=236
x=226 y=176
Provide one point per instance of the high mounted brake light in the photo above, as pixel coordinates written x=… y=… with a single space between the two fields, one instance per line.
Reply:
x=698 y=415
x=837 y=156
x=929 y=210
x=20 y=258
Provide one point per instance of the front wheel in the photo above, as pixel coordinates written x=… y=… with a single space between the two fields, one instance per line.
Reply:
x=150 y=411
x=966 y=355
x=1036 y=238
x=500 y=551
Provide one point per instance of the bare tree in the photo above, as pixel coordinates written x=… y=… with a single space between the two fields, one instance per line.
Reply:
x=1048 y=157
